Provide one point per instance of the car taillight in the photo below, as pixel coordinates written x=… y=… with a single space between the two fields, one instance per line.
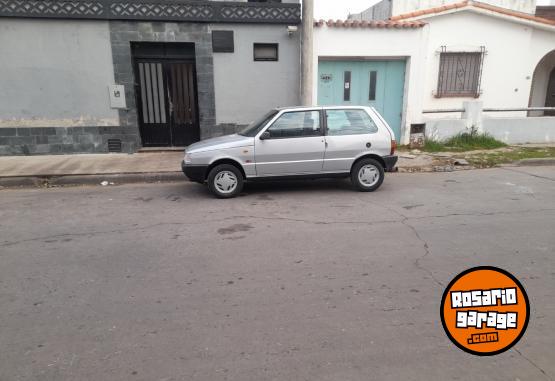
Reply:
x=393 y=147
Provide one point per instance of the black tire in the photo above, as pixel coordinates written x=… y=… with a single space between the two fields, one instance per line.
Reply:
x=368 y=163
x=219 y=190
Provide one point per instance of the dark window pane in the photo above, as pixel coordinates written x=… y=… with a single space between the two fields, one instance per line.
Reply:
x=347 y=86
x=459 y=74
x=349 y=122
x=373 y=80
x=265 y=52
x=296 y=124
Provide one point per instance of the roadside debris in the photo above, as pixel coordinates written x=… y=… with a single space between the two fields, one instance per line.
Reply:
x=461 y=162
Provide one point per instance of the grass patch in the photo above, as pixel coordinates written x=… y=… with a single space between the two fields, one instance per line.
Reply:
x=464 y=141
x=486 y=160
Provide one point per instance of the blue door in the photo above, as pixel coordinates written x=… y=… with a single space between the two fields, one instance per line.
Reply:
x=379 y=84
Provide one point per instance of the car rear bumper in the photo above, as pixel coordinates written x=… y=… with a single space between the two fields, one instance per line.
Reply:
x=390 y=162
x=196 y=173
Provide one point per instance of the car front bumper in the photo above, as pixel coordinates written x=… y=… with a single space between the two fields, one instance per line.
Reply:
x=390 y=162
x=196 y=173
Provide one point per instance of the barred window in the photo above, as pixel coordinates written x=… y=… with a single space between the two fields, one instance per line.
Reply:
x=459 y=75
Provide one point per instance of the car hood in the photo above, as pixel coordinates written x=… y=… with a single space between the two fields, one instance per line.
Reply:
x=222 y=142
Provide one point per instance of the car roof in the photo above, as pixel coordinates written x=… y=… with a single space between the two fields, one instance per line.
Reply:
x=298 y=108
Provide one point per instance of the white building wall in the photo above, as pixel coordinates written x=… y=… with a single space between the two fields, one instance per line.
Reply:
x=513 y=49
x=254 y=87
x=406 y=6
x=543 y=69
x=513 y=52
x=58 y=77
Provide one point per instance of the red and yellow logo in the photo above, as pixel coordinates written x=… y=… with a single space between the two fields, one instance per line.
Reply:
x=485 y=311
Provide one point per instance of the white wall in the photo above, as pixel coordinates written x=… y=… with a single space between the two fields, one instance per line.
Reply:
x=541 y=80
x=55 y=73
x=365 y=43
x=406 y=6
x=247 y=89
x=507 y=130
x=513 y=52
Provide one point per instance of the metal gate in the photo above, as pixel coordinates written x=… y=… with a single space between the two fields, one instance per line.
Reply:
x=167 y=102
x=376 y=83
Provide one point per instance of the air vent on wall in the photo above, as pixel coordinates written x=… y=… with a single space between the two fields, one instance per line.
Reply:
x=114 y=145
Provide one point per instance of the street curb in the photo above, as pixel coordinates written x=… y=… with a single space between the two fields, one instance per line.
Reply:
x=537 y=162
x=76 y=180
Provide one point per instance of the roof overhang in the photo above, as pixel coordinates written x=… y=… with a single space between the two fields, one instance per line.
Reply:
x=364 y=24
x=483 y=9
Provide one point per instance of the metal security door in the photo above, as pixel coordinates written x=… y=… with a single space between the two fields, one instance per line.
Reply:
x=167 y=105
x=153 y=104
x=182 y=103
x=376 y=83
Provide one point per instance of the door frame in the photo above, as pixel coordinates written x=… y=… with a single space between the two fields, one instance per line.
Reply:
x=550 y=90
x=403 y=130
x=164 y=60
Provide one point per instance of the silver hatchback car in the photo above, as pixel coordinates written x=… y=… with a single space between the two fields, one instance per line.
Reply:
x=296 y=143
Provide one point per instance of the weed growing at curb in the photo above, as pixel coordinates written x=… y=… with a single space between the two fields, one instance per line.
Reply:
x=464 y=141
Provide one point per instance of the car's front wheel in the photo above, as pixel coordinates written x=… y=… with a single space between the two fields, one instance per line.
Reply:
x=225 y=181
x=367 y=175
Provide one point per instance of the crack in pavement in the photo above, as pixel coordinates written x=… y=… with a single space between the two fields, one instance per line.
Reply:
x=425 y=245
x=135 y=228
x=534 y=364
x=527 y=173
x=122 y=230
x=484 y=214
x=404 y=221
x=427 y=253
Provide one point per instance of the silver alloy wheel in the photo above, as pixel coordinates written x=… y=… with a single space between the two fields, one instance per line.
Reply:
x=226 y=182
x=368 y=175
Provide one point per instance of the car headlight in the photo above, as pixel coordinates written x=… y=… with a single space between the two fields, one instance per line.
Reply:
x=188 y=159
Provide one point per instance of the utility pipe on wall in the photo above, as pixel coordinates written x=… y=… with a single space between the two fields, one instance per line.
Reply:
x=307 y=47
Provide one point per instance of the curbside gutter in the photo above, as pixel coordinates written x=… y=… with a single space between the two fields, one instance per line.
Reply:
x=536 y=162
x=48 y=181
x=80 y=180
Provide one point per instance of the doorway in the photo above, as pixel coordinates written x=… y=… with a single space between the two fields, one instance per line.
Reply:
x=550 y=97
x=376 y=83
x=166 y=93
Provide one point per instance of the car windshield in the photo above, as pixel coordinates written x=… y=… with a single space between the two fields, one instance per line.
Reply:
x=255 y=127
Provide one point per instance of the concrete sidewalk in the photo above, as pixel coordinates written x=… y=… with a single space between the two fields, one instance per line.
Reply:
x=90 y=164
x=51 y=170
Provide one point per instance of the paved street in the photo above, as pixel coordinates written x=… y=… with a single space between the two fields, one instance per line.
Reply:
x=303 y=281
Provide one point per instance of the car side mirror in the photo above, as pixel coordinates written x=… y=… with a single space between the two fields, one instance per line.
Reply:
x=265 y=135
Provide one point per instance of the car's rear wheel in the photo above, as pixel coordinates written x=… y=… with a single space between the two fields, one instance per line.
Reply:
x=225 y=181
x=367 y=175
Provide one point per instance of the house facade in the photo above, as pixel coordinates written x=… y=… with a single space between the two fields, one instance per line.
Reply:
x=443 y=56
x=110 y=76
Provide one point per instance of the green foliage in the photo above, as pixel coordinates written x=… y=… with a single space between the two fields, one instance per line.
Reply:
x=491 y=159
x=464 y=141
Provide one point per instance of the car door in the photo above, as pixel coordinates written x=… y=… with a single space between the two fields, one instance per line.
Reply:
x=292 y=145
x=349 y=133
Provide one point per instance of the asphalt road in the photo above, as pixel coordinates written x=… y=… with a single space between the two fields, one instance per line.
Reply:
x=304 y=281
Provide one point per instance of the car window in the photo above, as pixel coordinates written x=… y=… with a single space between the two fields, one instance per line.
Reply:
x=296 y=124
x=349 y=122
x=255 y=127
